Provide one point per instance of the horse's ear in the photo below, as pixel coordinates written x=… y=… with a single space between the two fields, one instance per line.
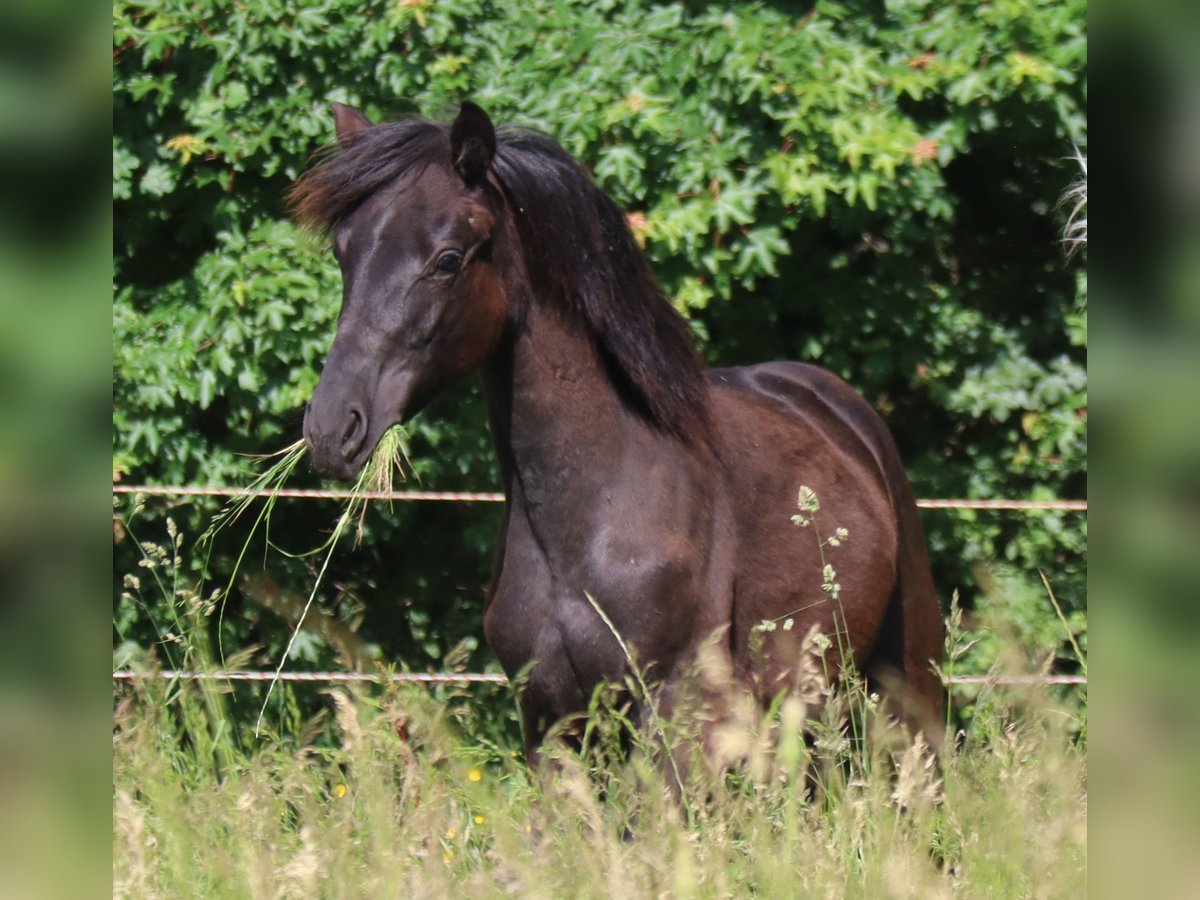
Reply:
x=348 y=120
x=472 y=142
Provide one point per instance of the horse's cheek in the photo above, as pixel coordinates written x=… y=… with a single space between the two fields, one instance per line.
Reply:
x=480 y=327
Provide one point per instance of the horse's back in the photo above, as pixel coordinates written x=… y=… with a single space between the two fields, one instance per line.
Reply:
x=784 y=425
x=818 y=398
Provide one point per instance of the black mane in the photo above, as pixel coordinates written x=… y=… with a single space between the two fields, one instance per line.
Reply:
x=579 y=253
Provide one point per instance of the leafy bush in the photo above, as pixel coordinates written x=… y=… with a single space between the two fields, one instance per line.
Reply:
x=869 y=186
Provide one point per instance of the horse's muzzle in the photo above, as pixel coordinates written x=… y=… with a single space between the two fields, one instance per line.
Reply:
x=336 y=438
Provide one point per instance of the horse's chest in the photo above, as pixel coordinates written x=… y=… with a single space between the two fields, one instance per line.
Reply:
x=569 y=613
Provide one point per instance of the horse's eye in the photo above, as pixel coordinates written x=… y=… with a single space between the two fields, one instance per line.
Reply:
x=449 y=262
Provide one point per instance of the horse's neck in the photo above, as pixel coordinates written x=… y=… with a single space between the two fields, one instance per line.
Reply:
x=559 y=425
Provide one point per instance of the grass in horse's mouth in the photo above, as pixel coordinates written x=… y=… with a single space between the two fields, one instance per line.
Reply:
x=267 y=484
x=378 y=475
x=388 y=459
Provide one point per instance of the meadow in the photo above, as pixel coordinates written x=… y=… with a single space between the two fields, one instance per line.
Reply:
x=422 y=792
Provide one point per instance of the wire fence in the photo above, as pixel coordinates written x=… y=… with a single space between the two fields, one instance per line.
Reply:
x=495 y=678
x=489 y=497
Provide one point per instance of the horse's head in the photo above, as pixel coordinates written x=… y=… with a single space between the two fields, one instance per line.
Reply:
x=423 y=303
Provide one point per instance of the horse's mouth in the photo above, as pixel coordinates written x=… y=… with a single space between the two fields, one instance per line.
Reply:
x=346 y=419
x=340 y=452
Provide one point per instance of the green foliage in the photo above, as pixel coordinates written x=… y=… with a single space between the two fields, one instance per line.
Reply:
x=869 y=186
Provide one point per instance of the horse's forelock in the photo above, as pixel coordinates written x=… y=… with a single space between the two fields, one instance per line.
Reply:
x=351 y=169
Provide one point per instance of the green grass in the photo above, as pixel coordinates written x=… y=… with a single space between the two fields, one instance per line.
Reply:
x=395 y=799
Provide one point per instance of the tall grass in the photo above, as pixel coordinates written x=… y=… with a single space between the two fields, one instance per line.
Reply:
x=403 y=794
x=402 y=804
x=396 y=798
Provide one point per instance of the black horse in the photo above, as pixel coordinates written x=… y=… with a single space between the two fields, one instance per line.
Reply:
x=633 y=475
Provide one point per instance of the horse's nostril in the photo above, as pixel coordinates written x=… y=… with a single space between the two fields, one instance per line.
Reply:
x=355 y=433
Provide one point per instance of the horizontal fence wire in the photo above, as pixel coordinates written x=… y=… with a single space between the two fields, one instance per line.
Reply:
x=319 y=677
x=486 y=497
x=493 y=678
x=308 y=493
